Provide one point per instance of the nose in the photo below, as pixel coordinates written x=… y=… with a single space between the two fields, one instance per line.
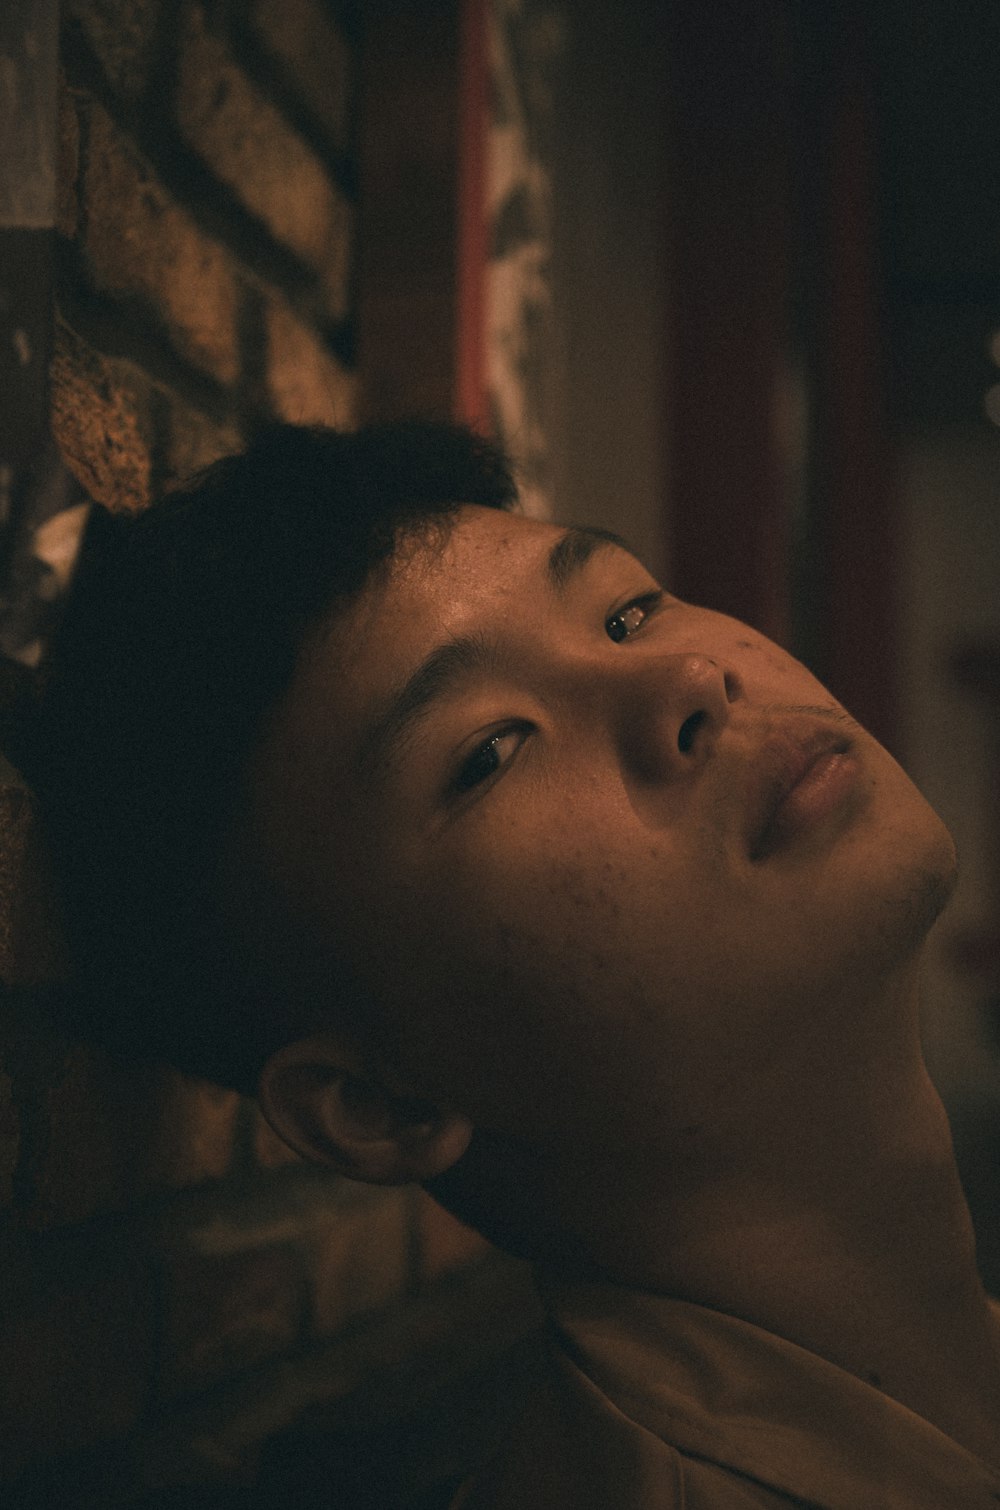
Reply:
x=669 y=713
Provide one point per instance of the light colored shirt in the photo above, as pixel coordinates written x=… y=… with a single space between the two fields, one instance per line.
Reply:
x=658 y=1404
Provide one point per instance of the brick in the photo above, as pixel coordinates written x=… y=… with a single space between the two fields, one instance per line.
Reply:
x=361 y=1262
x=76 y=1343
x=31 y=941
x=101 y=422
x=196 y=1131
x=67 y=161
x=139 y=242
x=314 y=57
x=88 y=1154
x=248 y=1214
x=446 y=1244
x=229 y=1311
x=192 y=440
x=122 y=35
x=250 y=147
x=107 y=1133
x=17 y=821
x=30 y=956
x=305 y=382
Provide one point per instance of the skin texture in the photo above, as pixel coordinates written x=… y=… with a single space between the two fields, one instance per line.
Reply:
x=597 y=894
x=698 y=1058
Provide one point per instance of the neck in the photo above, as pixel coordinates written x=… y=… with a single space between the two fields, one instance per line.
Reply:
x=847 y=1232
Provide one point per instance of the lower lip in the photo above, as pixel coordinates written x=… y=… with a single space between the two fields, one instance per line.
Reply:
x=823 y=790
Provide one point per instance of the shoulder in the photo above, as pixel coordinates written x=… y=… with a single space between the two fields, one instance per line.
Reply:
x=572 y=1449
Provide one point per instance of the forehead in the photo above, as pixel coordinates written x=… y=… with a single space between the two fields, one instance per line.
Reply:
x=438 y=584
x=482 y=556
x=448 y=580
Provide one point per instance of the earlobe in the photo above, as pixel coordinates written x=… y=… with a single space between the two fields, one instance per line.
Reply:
x=318 y=1099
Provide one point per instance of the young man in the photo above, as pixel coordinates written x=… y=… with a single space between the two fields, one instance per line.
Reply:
x=500 y=869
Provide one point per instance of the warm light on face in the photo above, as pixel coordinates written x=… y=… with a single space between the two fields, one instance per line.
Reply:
x=552 y=885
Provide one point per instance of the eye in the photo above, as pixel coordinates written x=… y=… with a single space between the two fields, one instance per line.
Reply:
x=626 y=621
x=488 y=759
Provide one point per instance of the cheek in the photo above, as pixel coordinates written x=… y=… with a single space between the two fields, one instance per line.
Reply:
x=547 y=948
x=564 y=877
x=769 y=673
x=591 y=1001
x=544 y=955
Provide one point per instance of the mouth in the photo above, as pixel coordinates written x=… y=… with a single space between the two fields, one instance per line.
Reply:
x=806 y=778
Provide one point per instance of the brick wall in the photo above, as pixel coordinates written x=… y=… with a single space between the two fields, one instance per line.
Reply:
x=187 y=1312
x=206 y=227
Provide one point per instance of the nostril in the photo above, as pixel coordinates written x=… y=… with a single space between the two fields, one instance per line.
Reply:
x=688 y=729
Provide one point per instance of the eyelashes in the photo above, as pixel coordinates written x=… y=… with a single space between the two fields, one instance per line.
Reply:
x=630 y=619
x=488 y=759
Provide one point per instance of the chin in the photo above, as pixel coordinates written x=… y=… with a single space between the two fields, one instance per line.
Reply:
x=918 y=887
x=944 y=873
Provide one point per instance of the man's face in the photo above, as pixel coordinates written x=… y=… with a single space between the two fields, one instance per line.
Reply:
x=546 y=810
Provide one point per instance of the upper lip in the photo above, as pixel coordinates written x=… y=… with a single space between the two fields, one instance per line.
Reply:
x=783 y=759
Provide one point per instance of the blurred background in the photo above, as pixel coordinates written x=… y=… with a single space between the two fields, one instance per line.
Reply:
x=725 y=278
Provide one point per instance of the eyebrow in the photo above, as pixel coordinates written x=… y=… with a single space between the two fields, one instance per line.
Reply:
x=571 y=552
x=436 y=677
x=463 y=658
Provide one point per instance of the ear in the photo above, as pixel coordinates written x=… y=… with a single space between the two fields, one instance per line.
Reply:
x=326 y=1105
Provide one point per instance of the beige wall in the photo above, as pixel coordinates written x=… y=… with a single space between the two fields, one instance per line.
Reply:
x=605 y=397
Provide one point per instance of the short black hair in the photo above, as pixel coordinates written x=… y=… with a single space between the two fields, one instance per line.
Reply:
x=181 y=633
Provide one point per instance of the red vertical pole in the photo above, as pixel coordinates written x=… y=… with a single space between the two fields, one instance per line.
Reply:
x=471 y=404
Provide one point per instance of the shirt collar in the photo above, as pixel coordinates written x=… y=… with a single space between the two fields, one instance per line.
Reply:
x=718 y=1388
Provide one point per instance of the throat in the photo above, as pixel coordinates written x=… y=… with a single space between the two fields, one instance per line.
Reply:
x=872 y=1269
